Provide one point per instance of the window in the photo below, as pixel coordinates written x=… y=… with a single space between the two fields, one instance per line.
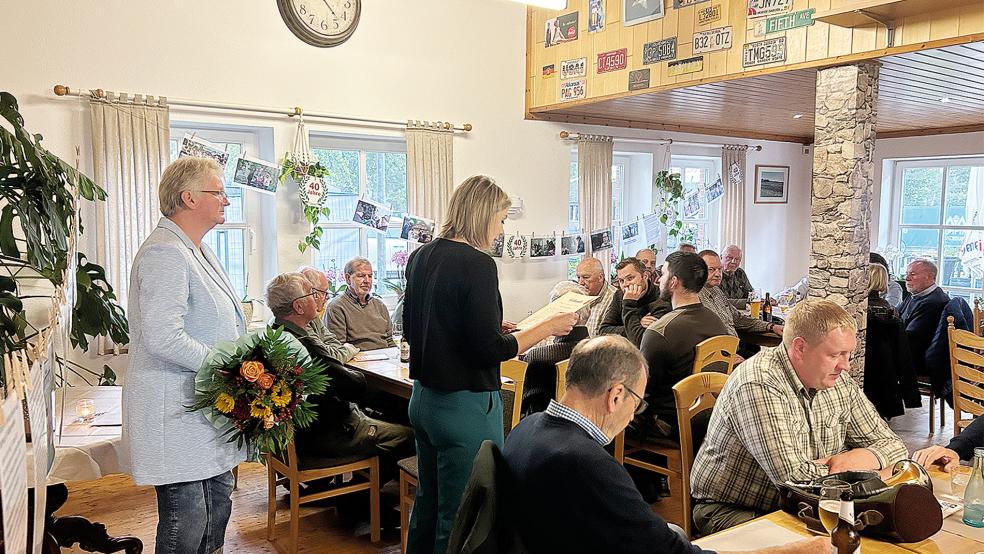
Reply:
x=620 y=166
x=702 y=228
x=362 y=167
x=938 y=208
x=231 y=241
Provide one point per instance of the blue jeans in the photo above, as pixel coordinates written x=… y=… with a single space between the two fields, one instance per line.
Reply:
x=192 y=516
x=449 y=428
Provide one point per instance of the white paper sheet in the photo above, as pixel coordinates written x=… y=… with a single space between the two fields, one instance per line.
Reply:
x=759 y=534
x=568 y=303
x=13 y=476
x=37 y=412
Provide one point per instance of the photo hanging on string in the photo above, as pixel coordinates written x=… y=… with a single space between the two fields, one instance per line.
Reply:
x=601 y=239
x=497 y=245
x=543 y=247
x=372 y=214
x=259 y=175
x=571 y=245
x=417 y=229
x=200 y=148
x=517 y=246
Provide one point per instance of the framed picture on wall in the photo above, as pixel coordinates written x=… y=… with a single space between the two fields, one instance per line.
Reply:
x=641 y=11
x=771 y=184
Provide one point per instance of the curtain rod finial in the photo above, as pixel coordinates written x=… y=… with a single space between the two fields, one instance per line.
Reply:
x=62 y=90
x=297 y=111
x=467 y=127
x=564 y=134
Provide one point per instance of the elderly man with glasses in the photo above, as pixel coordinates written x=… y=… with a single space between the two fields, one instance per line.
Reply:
x=570 y=494
x=359 y=316
x=342 y=352
x=342 y=430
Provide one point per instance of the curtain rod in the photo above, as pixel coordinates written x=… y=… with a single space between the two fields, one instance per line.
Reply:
x=567 y=135
x=62 y=90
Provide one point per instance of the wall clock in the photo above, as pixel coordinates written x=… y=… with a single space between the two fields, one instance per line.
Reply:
x=321 y=23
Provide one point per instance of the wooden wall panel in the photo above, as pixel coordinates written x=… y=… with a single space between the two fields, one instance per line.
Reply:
x=816 y=45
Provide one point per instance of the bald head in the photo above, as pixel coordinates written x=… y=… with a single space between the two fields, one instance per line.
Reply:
x=596 y=364
x=591 y=275
x=316 y=276
x=731 y=258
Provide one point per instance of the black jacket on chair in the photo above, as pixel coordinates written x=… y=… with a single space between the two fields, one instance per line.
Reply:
x=541 y=374
x=889 y=378
x=921 y=316
x=938 y=352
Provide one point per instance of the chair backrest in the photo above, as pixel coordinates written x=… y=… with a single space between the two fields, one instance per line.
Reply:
x=716 y=354
x=978 y=316
x=967 y=373
x=512 y=393
x=285 y=462
x=695 y=397
x=562 y=378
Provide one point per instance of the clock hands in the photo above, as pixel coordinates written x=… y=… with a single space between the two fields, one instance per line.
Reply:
x=329 y=8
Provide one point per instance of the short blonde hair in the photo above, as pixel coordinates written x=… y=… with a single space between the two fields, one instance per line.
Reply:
x=813 y=319
x=183 y=174
x=471 y=209
x=877 y=278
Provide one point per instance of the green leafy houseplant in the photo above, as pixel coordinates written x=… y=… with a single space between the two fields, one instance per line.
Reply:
x=298 y=171
x=37 y=192
x=670 y=189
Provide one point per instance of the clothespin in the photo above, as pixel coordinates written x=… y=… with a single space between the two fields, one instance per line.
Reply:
x=25 y=373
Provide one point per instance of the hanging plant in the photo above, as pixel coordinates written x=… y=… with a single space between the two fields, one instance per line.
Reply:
x=310 y=178
x=670 y=193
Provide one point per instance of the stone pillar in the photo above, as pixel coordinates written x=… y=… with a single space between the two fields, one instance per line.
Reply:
x=842 y=190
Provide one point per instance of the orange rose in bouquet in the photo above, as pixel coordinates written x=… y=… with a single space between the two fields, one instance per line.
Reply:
x=251 y=370
x=265 y=381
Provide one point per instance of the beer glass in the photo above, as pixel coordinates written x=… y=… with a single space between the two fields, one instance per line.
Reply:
x=830 y=499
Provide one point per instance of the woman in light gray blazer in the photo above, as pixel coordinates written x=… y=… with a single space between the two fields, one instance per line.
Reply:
x=181 y=304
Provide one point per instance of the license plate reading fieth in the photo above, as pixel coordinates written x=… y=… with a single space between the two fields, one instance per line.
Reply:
x=764 y=52
x=613 y=61
x=572 y=90
x=711 y=40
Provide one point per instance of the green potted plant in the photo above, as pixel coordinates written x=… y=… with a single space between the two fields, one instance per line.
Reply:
x=668 y=189
x=299 y=171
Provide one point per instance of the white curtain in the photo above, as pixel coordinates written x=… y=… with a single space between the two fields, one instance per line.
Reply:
x=430 y=159
x=733 y=202
x=594 y=186
x=129 y=152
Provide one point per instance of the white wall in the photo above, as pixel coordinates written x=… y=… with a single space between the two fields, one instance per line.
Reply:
x=461 y=61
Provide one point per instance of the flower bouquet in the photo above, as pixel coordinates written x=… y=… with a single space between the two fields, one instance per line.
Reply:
x=255 y=389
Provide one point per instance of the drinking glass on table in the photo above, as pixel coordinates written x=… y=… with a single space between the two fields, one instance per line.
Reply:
x=830 y=499
x=755 y=304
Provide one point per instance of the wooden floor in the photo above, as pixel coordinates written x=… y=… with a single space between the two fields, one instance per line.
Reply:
x=128 y=509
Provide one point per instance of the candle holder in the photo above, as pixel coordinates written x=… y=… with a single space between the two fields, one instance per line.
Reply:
x=85 y=410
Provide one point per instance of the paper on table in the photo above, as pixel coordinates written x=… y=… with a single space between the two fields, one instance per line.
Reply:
x=13 y=475
x=759 y=534
x=568 y=303
x=371 y=357
x=38 y=413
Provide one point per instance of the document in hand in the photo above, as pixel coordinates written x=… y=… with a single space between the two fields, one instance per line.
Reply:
x=568 y=303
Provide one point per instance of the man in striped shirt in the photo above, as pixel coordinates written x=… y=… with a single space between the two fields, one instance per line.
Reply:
x=591 y=276
x=789 y=413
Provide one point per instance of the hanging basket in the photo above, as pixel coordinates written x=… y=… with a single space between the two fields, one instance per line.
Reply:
x=300 y=165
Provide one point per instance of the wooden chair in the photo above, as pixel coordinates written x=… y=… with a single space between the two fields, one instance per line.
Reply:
x=561 y=378
x=926 y=389
x=967 y=374
x=695 y=395
x=292 y=473
x=715 y=354
x=512 y=403
x=978 y=316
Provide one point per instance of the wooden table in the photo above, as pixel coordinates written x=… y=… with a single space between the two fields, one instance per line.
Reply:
x=390 y=375
x=760 y=339
x=943 y=542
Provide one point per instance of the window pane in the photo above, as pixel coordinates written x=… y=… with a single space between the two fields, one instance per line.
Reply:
x=342 y=182
x=962 y=259
x=918 y=243
x=383 y=254
x=618 y=184
x=965 y=195
x=173 y=143
x=922 y=195
x=337 y=247
x=386 y=178
x=574 y=218
x=229 y=246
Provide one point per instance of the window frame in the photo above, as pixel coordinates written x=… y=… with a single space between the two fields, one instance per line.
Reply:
x=712 y=164
x=895 y=213
x=363 y=144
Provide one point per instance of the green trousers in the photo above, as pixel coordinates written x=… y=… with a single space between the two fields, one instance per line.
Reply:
x=449 y=427
x=711 y=517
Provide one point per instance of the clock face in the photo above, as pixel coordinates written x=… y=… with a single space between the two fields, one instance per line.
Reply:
x=321 y=22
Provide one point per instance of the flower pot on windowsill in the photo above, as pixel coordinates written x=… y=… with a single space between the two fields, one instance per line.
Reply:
x=247 y=310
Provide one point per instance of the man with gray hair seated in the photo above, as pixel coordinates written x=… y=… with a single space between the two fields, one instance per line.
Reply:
x=341 y=431
x=338 y=350
x=359 y=317
x=570 y=494
x=541 y=375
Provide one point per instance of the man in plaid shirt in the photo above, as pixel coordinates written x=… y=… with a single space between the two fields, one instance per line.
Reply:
x=788 y=413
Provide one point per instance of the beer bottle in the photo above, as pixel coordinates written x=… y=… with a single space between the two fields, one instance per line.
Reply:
x=845 y=539
x=767 y=309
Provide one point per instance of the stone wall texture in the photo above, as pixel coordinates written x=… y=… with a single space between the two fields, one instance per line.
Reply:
x=842 y=189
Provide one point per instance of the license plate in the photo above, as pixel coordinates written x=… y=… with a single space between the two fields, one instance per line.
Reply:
x=762 y=8
x=659 y=51
x=689 y=65
x=708 y=14
x=677 y=4
x=639 y=79
x=570 y=69
x=613 y=61
x=711 y=40
x=764 y=51
x=572 y=90
x=780 y=23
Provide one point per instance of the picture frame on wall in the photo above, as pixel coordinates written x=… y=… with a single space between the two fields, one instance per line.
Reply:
x=771 y=184
x=635 y=12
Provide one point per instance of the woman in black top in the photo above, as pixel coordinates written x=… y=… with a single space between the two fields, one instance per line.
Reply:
x=889 y=377
x=452 y=320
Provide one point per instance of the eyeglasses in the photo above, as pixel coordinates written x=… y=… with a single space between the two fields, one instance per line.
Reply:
x=642 y=403
x=305 y=296
x=220 y=194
